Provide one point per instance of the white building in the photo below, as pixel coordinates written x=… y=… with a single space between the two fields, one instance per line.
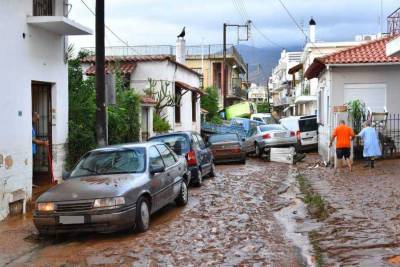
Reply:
x=364 y=73
x=164 y=71
x=257 y=93
x=280 y=83
x=305 y=96
x=34 y=78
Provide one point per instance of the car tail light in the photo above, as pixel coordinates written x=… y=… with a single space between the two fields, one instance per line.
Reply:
x=292 y=134
x=235 y=150
x=191 y=158
x=266 y=136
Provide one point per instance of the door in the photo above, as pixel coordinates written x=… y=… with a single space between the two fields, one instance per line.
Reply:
x=373 y=95
x=204 y=154
x=171 y=171
x=250 y=139
x=158 y=180
x=41 y=104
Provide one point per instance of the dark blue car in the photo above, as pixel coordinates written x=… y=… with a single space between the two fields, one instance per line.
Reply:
x=190 y=144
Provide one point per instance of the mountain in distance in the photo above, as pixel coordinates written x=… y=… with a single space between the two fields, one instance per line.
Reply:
x=261 y=61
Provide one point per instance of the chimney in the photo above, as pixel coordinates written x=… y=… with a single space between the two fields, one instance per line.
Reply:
x=312 y=30
x=181 y=51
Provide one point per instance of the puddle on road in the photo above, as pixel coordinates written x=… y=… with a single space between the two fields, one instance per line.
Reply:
x=292 y=215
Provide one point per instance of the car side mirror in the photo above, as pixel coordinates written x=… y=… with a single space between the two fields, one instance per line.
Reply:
x=157 y=169
x=65 y=175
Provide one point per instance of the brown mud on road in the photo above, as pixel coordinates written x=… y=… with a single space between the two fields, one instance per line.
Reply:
x=228 y=221
x=363 y=226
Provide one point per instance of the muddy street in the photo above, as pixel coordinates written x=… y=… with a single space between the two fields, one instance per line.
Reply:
x=228 y=221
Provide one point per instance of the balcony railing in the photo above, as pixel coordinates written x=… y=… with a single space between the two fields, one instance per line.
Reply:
x=43 y=8
x=237 y=90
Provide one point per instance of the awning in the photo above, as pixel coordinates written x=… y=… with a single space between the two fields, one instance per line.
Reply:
x=314 y=69
x=305 y=99
x=203 y=111
x=188 y=87
x=295 y=69
x=124 y=68
x=58 y=24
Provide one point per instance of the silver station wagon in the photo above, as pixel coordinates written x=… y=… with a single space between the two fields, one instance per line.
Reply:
x=114 y=188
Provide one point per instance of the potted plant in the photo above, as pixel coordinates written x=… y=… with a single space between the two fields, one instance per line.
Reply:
x=357 y=115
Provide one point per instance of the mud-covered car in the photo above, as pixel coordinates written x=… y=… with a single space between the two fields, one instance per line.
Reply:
x=226 y=148
x=114 y=188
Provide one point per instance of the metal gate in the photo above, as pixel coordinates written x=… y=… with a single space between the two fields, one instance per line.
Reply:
x=41 y=103
x=389 y=134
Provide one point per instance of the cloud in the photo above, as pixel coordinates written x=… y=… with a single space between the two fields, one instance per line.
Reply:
x=159 y=21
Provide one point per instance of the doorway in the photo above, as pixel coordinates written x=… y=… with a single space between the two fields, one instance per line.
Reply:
x=41 y=103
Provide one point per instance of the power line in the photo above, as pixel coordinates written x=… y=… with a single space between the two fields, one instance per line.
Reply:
x=241 y=8
x=298 y=25
x=108 y=28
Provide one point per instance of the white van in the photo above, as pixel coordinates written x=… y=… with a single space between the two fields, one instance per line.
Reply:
x=263 y=117
x=306 y=129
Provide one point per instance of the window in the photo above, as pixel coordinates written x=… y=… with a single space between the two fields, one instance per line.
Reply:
x=201 y=142
x=43 y=7
x=223 y=138
x=178 y=143
x=178 y=93
x=126 y=80
x=194 y=106
x=166 y=155
x=155 y=158
x=111 y=162
x=217 y=75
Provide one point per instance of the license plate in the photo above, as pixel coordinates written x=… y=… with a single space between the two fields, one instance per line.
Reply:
x=280 y=135
x=72 y=219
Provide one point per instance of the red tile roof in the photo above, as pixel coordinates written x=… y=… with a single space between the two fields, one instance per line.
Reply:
x=124 y=68
x=147 y=100
x=188 y=87
x=369 y=53
x=92 y=59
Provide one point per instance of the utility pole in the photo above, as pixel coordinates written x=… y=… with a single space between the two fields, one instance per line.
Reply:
x=224 y=66
x=101 y=112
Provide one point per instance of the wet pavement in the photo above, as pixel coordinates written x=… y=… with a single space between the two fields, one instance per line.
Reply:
x=363 y=226
x=229 y=221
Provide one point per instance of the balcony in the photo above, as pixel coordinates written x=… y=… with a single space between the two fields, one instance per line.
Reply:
x=237 y=91
x=303 y=93
x=283 y=101
x=53 y=19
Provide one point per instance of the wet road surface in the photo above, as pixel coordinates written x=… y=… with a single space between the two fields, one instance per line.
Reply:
x=229 y=221
x=363 y=227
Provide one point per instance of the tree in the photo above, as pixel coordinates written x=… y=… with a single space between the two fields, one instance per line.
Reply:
x=263 y=107
x=209 y=102
x=162 y=96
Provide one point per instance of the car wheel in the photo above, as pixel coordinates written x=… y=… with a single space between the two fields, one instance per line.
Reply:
x=258 y=150
x=212 y=171
x=142 y=215
x=183 y=196
x=199 y=180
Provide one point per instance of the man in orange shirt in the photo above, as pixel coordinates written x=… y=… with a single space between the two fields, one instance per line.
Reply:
x=343 y=135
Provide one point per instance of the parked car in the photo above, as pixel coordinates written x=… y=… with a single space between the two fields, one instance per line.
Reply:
x=267 y=136
x=227 y=148
x=190 y=144
x=263 y=117
x=306 y=129
x=247 y=124
x=114 y=188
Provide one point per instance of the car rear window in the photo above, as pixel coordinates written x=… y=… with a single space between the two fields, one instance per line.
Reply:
x=177 y=142
x=308 y=125
x=222 y=138
x=269 y=120
x=271 y=127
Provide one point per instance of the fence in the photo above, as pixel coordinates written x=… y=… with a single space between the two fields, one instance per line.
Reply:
x=389 y=135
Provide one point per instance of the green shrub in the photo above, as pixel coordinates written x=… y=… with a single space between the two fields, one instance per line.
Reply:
x=263 y=107
x=160 y=125
x=209 y=102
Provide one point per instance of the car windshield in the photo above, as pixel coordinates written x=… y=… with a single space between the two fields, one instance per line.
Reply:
x=272 y=127
x=223 y=138
x=177 y=142
x=111 y=162
x=268 y=120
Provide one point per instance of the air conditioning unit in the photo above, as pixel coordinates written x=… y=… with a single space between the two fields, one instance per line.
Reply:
x=369 y=37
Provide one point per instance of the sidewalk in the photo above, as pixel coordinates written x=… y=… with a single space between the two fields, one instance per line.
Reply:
x=363 y=226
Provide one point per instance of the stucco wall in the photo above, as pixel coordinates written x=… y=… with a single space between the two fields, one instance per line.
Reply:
x=168 y=71
x=38 y=57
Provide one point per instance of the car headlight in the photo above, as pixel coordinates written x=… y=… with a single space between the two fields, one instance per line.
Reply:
x=109 y=202
x=49 y=206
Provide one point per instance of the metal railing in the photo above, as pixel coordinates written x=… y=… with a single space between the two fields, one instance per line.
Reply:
x=43 y=8
x=389 y=135
x=207 y=51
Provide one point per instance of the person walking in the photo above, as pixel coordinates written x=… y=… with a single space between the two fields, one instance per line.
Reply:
x=35 y=141
x=343 y=134
x=371 y=144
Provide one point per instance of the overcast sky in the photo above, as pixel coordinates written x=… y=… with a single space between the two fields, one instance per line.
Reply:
x=142 y=22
